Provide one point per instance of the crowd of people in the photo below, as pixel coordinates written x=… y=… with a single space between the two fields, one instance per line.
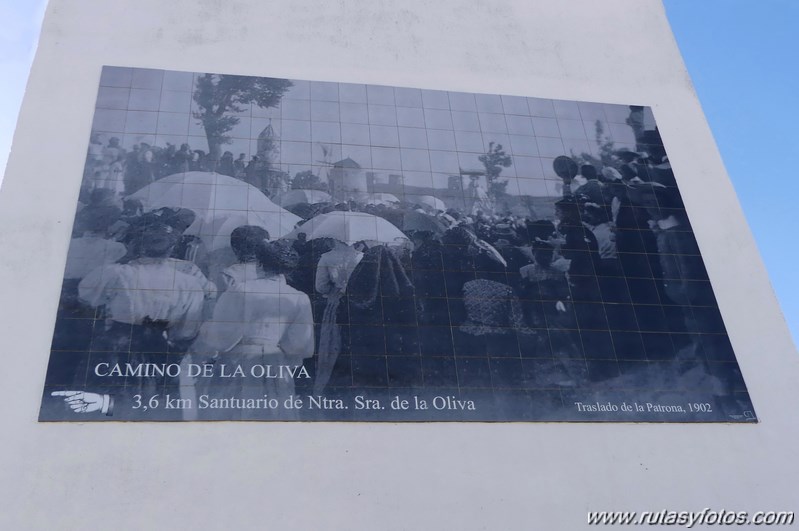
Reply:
x=615 y=276
x=124 y=172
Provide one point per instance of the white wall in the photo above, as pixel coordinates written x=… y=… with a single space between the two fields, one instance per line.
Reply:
x=375 y=476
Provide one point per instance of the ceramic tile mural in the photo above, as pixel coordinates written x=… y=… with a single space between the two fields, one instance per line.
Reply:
x=251 y=248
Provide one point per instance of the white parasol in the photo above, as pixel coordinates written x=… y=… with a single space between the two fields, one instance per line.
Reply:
x=382 y=198
x=221 y=204
x=431 y=201
x=310 y=197
x=350 y=227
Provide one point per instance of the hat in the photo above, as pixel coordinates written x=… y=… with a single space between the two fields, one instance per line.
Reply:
x=540 y=229
x=278 y=256
x=157 y=239
x=567 y=202
x=644 y=193
x=627 y=155
x=564 y=165
x=611 y=174
x=504 y=229
x=178 y=218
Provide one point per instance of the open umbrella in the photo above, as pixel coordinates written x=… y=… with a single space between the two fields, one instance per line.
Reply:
x=296 y=197
x=491 y=251
x=431 y=202
x=382 y=198
x=350 y=227
x=422 y=222
x=216 y=234
x=306 y=211
x=221 y=204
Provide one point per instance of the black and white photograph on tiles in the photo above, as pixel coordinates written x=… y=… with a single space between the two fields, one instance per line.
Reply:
x=255 y=248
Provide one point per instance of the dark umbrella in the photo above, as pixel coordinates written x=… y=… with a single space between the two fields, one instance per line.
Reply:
x=417 y=221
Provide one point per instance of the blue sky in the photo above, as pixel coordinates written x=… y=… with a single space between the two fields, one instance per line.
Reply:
x=741 y=55
x=18 y=35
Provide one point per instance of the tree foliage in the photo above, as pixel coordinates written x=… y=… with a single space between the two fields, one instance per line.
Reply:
x=219 y=97
x=605 y=150
x=308 y=180
x=493 y=161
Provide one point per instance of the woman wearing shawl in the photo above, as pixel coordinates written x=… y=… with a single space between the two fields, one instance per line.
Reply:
x=466 y=257
x=549 y=312
x=493 y=318
x=580 y=247
x=427 y=269
x=381 y=308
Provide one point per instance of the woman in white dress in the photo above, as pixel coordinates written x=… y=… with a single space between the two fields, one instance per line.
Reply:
x=262 y=325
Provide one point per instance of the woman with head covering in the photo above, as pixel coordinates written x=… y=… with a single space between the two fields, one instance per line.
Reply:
x=492 y=308
x=545 y=290
x=580 y=247
x=178 y=220
x=427 y=269
x=683 y=271
x=382 y=315
x=458 y=255
x=261 y=322
x=548 y=311
x=466 y=257
x=429 y=281
x=151 y=306
x=487 y=345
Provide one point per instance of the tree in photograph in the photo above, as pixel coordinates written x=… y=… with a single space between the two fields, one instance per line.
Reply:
x=605 y=150
x=308 y=180
x=493 y=161
x=220 y=97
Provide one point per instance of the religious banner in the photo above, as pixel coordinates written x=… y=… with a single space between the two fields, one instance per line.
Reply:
x=252 y=248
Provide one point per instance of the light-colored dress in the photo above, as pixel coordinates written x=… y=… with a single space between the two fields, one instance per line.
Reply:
x=332 y=275
x=154 y=289
x=262 y=321
x=238 y=274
